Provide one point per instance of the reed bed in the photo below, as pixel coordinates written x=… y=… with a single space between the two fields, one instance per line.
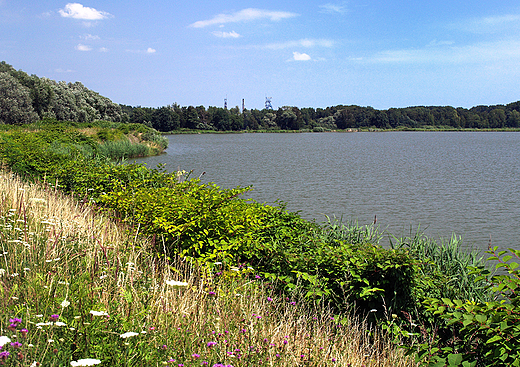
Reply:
x=77 y=288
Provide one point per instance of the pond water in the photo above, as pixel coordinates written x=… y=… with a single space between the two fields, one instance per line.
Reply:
x=463 y=183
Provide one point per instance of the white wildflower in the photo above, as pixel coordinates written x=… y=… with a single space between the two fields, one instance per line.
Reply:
x=2 y=272
x=85 y=362
x=4 y=340
x=34 y=364
x=128 y=334
x=59 y=323
x=65 y=303
x=176 y=283
x=98 y=313
x=40 y=324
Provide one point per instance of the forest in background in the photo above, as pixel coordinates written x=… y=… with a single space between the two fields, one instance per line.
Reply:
x=27 y=98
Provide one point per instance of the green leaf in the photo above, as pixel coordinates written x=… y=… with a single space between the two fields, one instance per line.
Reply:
x=494 y=339
x=454 y=359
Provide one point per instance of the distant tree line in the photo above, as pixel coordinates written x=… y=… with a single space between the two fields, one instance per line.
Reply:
x=175 y=117
x=26 y=98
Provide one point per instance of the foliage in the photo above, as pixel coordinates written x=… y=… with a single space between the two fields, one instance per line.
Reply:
x=76 y=286
x=15 y=102
x=25 y=99
x=480 y=333
x=447 y=265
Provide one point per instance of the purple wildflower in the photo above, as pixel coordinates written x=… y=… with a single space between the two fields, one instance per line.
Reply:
x=15 y=321
x=16 y=345
x=54 y=317
x=211 y=344
x=195 y=355
x=4 y=355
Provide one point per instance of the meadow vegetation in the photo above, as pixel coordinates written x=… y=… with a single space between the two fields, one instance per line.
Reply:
x=76 y=285
x=157 y=268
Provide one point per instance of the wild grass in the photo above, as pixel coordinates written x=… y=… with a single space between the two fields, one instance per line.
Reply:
x=75 y=285
x=447 y=257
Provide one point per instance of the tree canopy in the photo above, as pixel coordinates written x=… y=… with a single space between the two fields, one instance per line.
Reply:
x=25 y=98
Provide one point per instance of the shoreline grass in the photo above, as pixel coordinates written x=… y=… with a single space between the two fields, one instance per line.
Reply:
x=75 y=285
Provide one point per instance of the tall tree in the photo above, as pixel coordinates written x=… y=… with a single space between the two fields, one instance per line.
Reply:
x=15 y=102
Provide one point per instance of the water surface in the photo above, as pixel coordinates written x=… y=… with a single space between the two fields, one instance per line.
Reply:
x=467 y=183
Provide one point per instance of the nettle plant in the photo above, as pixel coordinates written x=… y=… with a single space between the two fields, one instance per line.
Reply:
x=482 y=333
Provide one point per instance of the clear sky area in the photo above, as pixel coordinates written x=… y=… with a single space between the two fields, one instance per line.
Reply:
x=379 y=53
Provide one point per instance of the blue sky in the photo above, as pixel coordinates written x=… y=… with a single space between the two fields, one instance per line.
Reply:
x=301 y=53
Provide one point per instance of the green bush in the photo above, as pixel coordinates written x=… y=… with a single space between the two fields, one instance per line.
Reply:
x=481 y=333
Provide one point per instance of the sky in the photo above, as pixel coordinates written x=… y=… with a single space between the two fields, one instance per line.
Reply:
x=378 y=53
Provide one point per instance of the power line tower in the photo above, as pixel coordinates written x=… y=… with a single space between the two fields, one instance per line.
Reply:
x=268 y=105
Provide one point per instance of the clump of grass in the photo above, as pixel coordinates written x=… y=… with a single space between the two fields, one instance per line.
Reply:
x=447 y=258
x=78 y=289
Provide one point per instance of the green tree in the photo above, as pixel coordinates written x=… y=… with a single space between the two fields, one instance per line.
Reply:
x=15 y=102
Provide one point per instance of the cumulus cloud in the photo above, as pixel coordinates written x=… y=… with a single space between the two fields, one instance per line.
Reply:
x=78 y=11
x=220 y=34
x=82 y=47
x=300 y=57
x=333 y=9
x=245 y=15
x=305 y=42
x=103 y=49
x=150 y=50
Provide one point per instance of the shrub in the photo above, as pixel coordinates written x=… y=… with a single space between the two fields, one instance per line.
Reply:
x=482 y=333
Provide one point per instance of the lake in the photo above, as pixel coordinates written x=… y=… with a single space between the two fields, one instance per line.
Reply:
x=463 y=183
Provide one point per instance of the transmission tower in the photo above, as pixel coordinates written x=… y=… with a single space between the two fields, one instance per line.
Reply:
x=268 y=105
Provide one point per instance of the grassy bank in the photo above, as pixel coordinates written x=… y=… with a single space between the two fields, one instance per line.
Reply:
x=76 y=285
x=165 y=264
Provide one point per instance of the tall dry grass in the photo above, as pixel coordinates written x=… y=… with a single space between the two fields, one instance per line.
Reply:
x=74 y=284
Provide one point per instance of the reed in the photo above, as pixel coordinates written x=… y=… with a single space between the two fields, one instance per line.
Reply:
x=447 y=257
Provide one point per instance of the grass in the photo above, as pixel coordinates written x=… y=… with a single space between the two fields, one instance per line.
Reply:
x=75 y=285
x=447 y=257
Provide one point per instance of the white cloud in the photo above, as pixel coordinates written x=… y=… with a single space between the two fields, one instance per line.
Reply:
x=78 y=11
x=60 y=70
x=494 y=24
x=89 y=37
x=305 y=42
x=103 y=49
x=478 y=53
x=245 y=15
x=436 y=43
x=220 y=34
x=81 y=47
x=300 y=57
x=333 y=9
x=151 y=50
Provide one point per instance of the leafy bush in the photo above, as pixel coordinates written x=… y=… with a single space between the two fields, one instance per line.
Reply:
x=481 y=333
